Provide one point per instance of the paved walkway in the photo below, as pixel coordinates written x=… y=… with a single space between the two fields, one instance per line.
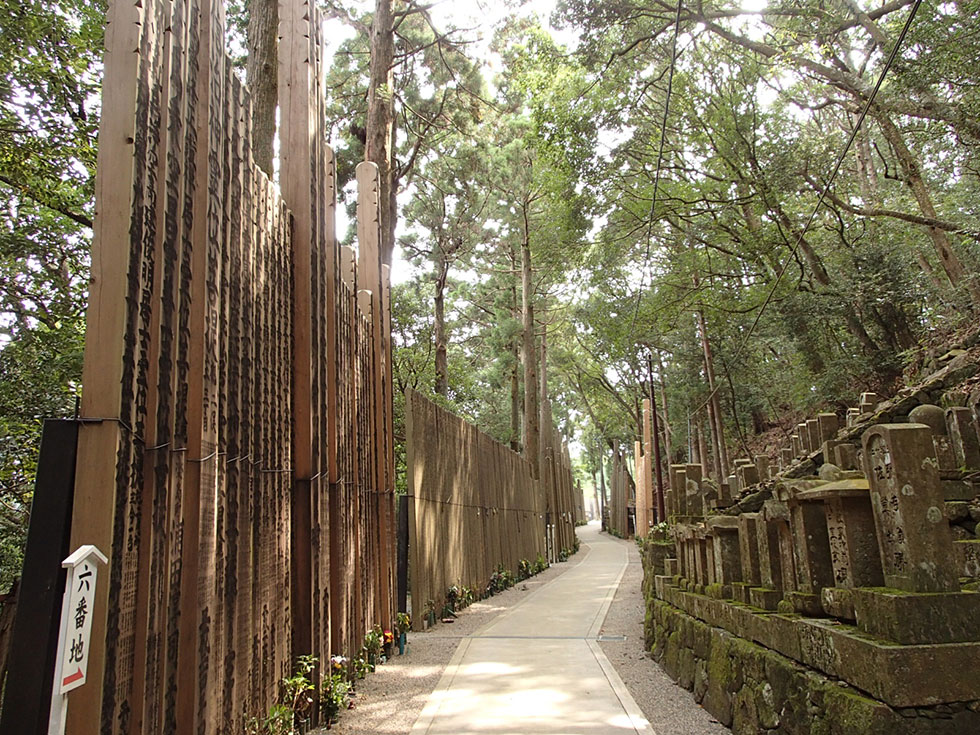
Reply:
x=538 y=668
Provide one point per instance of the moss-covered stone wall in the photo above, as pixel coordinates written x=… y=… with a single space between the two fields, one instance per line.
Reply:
x=755 y=690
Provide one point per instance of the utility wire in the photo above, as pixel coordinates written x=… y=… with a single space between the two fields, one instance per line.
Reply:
x=823 y=194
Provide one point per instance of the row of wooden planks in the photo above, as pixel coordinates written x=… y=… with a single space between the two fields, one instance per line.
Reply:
x=235 y=457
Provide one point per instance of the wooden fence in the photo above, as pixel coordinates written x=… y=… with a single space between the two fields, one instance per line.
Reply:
x=474 y=505
x=235 y=460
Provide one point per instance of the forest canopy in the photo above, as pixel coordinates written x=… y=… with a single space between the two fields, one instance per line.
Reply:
x=749 y=210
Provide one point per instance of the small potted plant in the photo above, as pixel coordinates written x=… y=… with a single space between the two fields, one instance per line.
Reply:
x=372 y=646
x=403 y=624
x=387 y=638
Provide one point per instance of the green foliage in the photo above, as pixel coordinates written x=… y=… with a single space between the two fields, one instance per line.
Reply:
x=279 y=721
x=50 y=59
x=500 y=580
x=295 y=703
x=372 y=641
x=335 y=694
x=298 y=689
x=524 y=570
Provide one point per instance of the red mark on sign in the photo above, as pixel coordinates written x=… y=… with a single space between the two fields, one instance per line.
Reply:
x=73 y=678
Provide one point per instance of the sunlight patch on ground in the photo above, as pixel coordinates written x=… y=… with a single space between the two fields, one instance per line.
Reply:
x=625 y=722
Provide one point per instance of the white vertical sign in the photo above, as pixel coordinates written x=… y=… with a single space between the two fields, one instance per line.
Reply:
x=75 y=635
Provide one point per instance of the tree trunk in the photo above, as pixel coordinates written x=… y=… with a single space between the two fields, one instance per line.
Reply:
x=515 y=373
x=379 y=145
x=668 y=448
x=867 y=173
x=602 y=490
x=530 y=359
x=515 y=398
x=952 y=265
x=262 y=75
x=927 y=268
x=717 y=425
x=702 y=445
x=439 y=325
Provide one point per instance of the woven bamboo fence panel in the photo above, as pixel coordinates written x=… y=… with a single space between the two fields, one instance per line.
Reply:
x=474 y=505
x=235 y=457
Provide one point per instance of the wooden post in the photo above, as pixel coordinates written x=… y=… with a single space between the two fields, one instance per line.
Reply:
x=652 y=439
x=31 y=663
x=641 y=506
x=108 y=330
x=296 y=134
x=369 y=269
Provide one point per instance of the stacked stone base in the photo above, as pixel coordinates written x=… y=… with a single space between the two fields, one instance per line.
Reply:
x=754 y=689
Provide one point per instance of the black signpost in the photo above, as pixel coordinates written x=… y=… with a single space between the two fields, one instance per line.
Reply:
x=30 y=670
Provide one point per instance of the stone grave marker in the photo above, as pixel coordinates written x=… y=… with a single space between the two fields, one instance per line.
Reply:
x=962 y=430
x=869 y=402
x=813 y=432
x=804 y=434
x=748 y=540
x=935 y=418
x=913 y=533
x=828 y=426
x=692 y=486
x=747 y=475
x=727 y=552
x=786 y=456
x=811 y=544
x=845 y=456
x=678 y=480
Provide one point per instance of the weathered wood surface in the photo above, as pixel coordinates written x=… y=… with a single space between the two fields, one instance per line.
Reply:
x=474 y=504
x=235 y=460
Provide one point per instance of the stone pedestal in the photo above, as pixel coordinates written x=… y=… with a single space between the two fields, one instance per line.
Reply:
x=915 y=619
x=764 y=598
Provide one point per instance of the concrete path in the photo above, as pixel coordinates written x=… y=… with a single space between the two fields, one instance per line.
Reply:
x=538 y=667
